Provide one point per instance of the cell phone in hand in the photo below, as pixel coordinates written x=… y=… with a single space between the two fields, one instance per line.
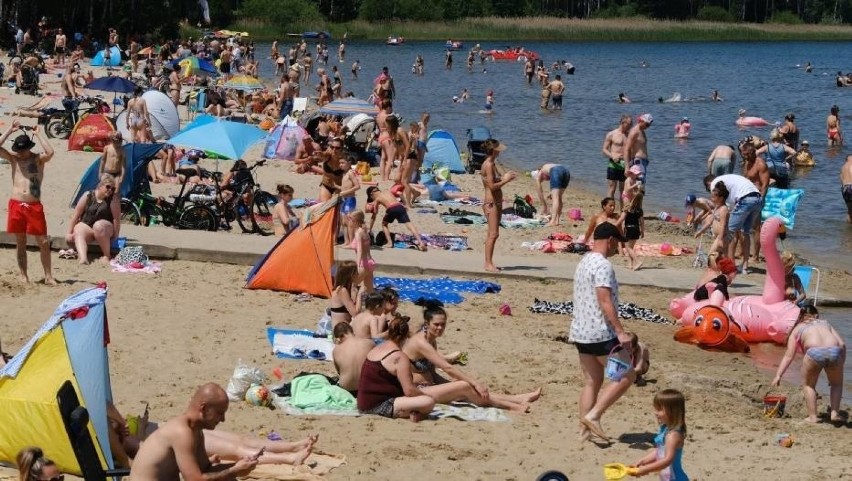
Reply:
x=145 y=414
x=259 y=453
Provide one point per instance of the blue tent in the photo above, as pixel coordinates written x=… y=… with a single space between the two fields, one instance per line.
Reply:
x=114 y=58
x=443 y=149
x=135 y=170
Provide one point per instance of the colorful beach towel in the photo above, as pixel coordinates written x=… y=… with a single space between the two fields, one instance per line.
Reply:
x=299 y=344
x=625 y=311
x=517 y=222
x=459 y=411
x=443 y=289
x=447 y=242
x=149 y=267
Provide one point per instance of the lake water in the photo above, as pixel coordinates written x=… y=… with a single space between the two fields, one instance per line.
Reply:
x=760 y=77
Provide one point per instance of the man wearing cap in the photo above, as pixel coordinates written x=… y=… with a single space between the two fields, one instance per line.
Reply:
x=747 y=203
x=636 y=145
x=722 y=160
x=26 y=214
x=682 y=128
x=613 y=149
x=596 y=330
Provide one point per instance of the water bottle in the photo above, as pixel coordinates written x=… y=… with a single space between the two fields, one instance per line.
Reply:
x=155 y=219
x=664 y=216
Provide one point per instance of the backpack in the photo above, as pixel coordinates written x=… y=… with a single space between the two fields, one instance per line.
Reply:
x=523 y=208
x=130 y=254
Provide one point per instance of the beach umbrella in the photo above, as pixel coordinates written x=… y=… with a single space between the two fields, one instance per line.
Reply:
x=244 y=82
x=224 y=138
x=349 y=106
x=195 y=66
x=112 y=84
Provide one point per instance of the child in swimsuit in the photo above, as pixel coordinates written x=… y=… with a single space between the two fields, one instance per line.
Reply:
x=670 y=410
x=361 y=243
x=824 y=349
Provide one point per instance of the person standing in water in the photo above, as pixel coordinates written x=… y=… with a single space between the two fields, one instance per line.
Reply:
x=832 y=127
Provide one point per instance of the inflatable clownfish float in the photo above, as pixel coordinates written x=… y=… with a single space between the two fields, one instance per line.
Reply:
x=714 y=328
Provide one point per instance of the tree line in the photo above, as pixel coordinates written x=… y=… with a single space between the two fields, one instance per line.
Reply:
x=159 y=18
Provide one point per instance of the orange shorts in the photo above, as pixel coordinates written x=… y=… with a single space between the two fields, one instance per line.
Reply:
x=26 y=218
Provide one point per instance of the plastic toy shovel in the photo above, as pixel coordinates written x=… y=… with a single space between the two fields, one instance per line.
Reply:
x=616 y=471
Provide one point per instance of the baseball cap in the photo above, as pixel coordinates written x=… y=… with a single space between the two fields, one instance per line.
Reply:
x=690 y=199
x=607 y=230
x=635 y=170
x=805 y=142
x=647 y=118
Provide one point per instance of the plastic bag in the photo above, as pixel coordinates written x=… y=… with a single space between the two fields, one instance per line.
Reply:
x=244 y=376
x=324 y=325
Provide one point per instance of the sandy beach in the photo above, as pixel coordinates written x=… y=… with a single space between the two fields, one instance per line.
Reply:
x=192 y=322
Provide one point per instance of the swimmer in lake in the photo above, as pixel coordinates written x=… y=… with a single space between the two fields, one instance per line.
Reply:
x=622 y=99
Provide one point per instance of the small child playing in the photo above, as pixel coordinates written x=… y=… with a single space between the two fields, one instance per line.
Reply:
x=489 y=101
x=697 y=209
x=394 y=212
x=717 y=222
x=370 y=323
x=634 y=226
x=391 y=304
x=632 y=184
x=361 y=243
x=670 y=410
x=641 y=358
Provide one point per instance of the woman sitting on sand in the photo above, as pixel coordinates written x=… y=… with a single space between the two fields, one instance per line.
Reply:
x=386 y=387
x=97 y=217
x=345 y=301
x=607 y=214
x=422 y=349
x=824 y=349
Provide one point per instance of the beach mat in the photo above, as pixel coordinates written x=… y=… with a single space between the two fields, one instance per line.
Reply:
x=316 y=466
x=448 y=242
x=443 y=289
x=298 y=344
x=625 y=311
x=458 y=411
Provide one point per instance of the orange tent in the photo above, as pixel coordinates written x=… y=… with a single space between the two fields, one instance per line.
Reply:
x=91 y=131
x=302 y=260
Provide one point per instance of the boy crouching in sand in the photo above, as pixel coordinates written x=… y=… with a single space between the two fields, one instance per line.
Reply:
x=641 y=358
x=394 y=211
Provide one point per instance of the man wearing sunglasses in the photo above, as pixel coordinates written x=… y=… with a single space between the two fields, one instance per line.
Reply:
x=97 y=217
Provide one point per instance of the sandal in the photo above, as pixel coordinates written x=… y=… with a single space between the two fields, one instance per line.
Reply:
x=67 y=254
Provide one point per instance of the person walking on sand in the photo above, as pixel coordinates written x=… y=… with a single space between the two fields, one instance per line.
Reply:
x=596 y=330
x=846 y=186
x=492 y=204
x=25 y=211
x=636 y=145
x=824 y=349
x=613 y=149
x=558 y=177
x=176 y=449
x=138 y=118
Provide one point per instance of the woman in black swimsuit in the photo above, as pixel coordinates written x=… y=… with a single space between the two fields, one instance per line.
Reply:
x=332 y=172
x=345 y=301
x=422 y=349
x=97 y=217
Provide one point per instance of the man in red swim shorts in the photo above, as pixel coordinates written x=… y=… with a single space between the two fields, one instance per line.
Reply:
x=26 y=214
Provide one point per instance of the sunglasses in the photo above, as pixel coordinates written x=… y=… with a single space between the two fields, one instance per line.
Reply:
x=108 y=187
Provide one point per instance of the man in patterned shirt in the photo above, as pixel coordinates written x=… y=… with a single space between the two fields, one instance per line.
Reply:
x=596 y=330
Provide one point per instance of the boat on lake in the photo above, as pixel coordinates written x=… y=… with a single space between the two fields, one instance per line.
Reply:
x=395 y=41
x=454 y=45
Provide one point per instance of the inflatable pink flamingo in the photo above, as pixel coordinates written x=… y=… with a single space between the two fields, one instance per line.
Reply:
x=749 y=121
x=764 y=318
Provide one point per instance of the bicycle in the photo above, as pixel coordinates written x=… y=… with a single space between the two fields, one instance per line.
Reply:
x=60 y=123
x=249 y=205
x=143 y=208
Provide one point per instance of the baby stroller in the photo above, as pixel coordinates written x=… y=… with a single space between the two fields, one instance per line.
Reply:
x=475 y=154
x=29 y=80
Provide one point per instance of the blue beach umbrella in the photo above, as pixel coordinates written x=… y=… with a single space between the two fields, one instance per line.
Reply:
x=223 y=138
x=112 y=84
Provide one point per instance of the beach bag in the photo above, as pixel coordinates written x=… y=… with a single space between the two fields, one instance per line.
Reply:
x=616 y=366
x=242 y=379
x=523 y=208
x=130 y=254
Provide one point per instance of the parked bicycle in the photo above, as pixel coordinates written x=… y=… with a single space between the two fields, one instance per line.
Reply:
x=60 y=122
x=247 y=204
x=143 y=208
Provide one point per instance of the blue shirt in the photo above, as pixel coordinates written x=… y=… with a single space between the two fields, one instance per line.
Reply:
x=673 y=472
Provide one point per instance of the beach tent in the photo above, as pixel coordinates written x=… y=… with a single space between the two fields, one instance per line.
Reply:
x=442 y=149
x=71 y=345
x=91 y=133
x=281 y=143
x=165 y=122
x=114 y=58
x=135 y=171
x=302 y=260
x=223 y=138
x=349 y=106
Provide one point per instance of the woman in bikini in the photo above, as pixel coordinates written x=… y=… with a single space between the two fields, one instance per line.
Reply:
x=492 y=204
x=401 y=147
x=385 y=144
x=718 y=221
x=607 y=214
x=422 y=349
x=824 y=349
x=174 y=86
x=345 y=301
x=361 y=243
x=332 y=171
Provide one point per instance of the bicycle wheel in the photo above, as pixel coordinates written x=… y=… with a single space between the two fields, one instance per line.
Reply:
x=243 y=216
x=261 y=212
x=198 y=217
x=59 y=128
x=130 y=213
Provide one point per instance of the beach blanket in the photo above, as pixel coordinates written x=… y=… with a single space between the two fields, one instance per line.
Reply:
x=625 y=311
x=448 y=242
x=149 y=267
x=463 y=219
x=653 y=250
x=459 y=411
x=517 y=222
x=315 y=468
x=443 y=289
x=299 y=344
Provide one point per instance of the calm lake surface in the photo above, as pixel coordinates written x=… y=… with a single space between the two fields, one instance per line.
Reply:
x=764 y=78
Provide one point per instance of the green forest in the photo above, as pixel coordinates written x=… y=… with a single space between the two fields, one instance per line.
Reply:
x=161 y=18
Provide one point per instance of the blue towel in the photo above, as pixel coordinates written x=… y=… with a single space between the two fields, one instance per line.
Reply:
x=443 y=289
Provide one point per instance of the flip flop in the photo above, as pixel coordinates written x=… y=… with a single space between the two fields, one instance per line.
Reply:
x=316 y=355
x=298 y=353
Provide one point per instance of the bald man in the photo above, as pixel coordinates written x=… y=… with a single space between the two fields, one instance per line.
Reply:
x=177 y=448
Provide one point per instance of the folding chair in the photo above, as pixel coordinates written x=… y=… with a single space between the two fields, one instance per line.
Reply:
x=76 y=420
x=805 y=274
x=197 y=103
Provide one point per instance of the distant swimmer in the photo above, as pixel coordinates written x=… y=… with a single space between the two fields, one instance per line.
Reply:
x=489 y=102
x=622 y=99
x=749 y=121
x=676 y=97
x=682 y=128
x=644 y=64
x=717 y=97
x=809 y=68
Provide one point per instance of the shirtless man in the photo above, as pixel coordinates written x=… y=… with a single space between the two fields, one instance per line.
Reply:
x=113 y=160
x=558 y=178
x=134 y=54
x=636 y=145
x=138 y=118
x=755 y=170
x=529 y=70
x=288 y=89
x=556 y=88
x=176 y=449
x=26 y=214
x=832 y=127
x=69 y=89
x=307 y=158
x=349 y=355
x=308 y=64
x=722 y=160
x=613 y=149
x=60 y=48
x=846 y=186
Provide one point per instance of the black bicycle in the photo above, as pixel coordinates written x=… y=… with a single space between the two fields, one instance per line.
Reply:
x=143 y=208
x=249 y=205
x=60 y=122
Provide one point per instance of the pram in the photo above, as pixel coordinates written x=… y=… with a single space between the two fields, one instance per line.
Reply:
x=29 y=80
x=475 y=153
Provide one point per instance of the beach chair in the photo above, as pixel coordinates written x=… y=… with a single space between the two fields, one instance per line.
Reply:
x=197 y=101
x=806 y=275
x=76 y=420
